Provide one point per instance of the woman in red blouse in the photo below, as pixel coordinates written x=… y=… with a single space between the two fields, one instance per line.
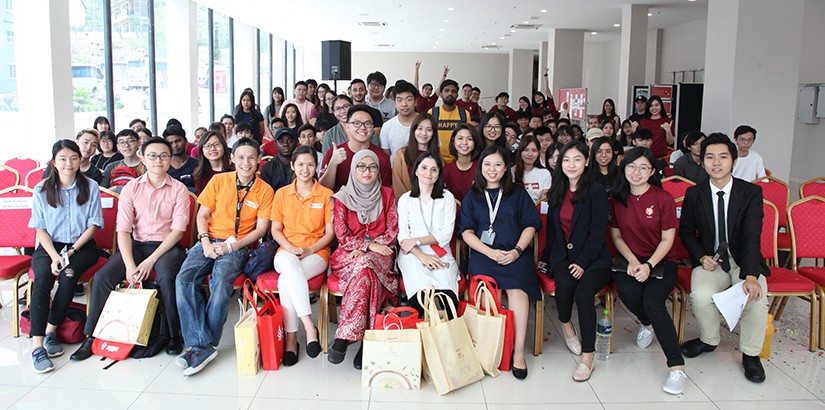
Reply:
x=366 y=225
x=465 y=146
x=660 y=124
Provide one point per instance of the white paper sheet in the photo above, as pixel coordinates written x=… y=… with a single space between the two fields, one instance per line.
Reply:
x=731 y=303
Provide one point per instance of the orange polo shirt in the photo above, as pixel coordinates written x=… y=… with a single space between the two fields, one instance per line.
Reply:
x=304 y=219
x=221 y=196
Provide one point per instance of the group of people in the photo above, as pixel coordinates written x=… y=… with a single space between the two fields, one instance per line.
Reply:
x=397 y=174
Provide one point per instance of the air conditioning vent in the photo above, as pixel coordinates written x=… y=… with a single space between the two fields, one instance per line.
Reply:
x=385 y=45
x=372 y=23
x=525 y=26
x=490 y=47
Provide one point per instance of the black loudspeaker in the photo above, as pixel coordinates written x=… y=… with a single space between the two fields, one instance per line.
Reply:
x=336 y=60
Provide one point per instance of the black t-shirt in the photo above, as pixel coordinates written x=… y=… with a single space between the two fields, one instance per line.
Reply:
x=254 y=119
x=184 y=173
x=91 y=173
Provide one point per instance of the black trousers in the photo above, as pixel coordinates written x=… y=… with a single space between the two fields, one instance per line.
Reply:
x=413 y=303
x=647 y=301
x=79 y=263
x=582 y=291
x=114 y=273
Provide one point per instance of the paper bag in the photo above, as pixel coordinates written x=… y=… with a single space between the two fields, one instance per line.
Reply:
x=509 y=327
x=486 y=327
x=271 y=333
x=247 y=348
x=403 y=317
x=392 y=358
x=127 y=316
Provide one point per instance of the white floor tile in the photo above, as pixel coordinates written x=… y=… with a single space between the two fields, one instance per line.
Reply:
x=770 y=405
x=427 y=394
x=426 y=406
x=806 y=368
x=565 y=406
x=549 y=381
x=269 y=404
x=721 y=377
x=10 y=394
x=127 y=375
x=157 y=401
x=658 y=406
x=638 y=378
x=58 y=398
x=16 y=363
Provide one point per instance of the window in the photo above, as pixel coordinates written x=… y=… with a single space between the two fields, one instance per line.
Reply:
x=12 y=72
x=9 y=36
x=9 y=6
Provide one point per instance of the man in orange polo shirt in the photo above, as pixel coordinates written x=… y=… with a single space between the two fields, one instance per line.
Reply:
x=234 y=214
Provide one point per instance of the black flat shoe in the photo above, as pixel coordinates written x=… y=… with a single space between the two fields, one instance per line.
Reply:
x=753 y=368
x=175 y=346
x=84 y=351
x=314 y=348
x=357 y=362
x=338 y=351
x=695 y=347
x=290 y=359
x=520 y=374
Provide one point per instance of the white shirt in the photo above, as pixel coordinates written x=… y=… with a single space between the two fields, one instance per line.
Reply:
x=750 y=167
x=536 y=181
x=715 y=200
x=394 y=135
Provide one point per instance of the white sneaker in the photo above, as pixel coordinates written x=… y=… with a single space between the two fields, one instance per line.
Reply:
x=644 y=337
x=675 y=382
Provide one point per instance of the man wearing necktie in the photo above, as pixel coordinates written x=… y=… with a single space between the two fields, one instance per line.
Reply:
x=721 y=227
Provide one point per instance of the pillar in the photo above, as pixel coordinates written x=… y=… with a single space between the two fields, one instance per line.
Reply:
x=182 y=64
x=632 y=55
x=521 y=75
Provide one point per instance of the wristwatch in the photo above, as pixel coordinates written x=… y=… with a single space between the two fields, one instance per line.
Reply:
x=203 y=235
x=418 y=242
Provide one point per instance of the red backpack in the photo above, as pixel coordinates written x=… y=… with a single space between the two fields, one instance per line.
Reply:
x=122 y=175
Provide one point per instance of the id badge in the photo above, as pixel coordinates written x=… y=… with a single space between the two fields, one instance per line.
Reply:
x=488 y=236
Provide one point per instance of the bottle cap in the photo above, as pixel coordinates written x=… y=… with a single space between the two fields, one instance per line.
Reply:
x=606 y=312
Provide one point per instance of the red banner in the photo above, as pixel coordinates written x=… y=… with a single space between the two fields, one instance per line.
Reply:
x=576 y=99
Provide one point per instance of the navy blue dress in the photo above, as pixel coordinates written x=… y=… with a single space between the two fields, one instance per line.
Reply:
x=516 y=213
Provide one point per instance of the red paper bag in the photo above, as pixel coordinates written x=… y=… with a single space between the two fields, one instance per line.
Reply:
x=509 y=326
x=111 y=350
x=271 y=333
x=404 y=316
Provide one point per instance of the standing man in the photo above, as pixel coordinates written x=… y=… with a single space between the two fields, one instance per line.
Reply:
x=234 y=214
x=641 y=109
x=721 y=228
x=152 y=216
x=335 y=166
x=358 y=92
x=447 y=116
x=502 y=99
x=396 y=131
x=466 y=102
x=426 y=100
x=305 y=106
x=182 y=165
x=377 y=83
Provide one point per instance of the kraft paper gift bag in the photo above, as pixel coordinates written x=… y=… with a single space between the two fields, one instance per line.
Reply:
x=247 y=347
x=127 y=316
x=392 y=358
x=486 y=327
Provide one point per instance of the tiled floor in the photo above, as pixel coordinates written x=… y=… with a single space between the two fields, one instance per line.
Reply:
x=630 y=379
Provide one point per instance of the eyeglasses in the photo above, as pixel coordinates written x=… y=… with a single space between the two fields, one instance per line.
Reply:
x=214 y=145
x=341 y=108
x=154 y=157
x=358 y=124
x=124 y=143
x=745 y=140
x=364 y=168
x=375 y=85
x=492 y=127
x=644 y=169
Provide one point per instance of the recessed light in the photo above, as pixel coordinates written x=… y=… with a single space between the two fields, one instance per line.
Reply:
x=526 y=22
x=450 y=8
x=593 y=33
x=617 y=25
x=493 y=43
x=446 y=21
x=650 y=14
x=543 y=11
x=501 y=38
x=439 y=36
x=512 y=31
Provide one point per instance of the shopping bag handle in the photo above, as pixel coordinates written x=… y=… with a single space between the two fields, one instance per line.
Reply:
x=484 y=300
x=269 y=301
x=435 y=318
x=424 y=296
x=394 y=314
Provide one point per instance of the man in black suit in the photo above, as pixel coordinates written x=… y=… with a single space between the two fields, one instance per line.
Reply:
x=715 y=267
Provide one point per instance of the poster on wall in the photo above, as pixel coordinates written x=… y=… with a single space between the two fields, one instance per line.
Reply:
x=576 y=100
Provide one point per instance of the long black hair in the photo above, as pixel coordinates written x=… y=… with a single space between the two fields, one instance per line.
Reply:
x=239 y=108
x=271 y=109
x=518 y=176
x=662 y=112
x=501 y=141
x=438 y=187
x=480 y=183
x=204 y=166
x=561 y=184
x=299 y=121
x=594 y=167
x=621 y=187
x=411 y=152
x=51 y=186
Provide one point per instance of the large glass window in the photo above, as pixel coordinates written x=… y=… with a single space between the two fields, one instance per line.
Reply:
x=130 y=59
x=166 y=107
x=223 y=103
x=290 y=70
x=265 y=78
x=279 y=65
x=9 y=111
x=86 y=38
x=204 y=107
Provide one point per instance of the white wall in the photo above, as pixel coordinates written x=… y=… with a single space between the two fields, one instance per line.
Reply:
x=683 y=48
x=486 y=71
x=809 y=139
x=600 y=73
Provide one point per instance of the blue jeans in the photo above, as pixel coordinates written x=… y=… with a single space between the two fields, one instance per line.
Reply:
x=202 y=320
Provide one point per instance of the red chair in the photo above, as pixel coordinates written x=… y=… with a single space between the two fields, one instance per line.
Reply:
x=812 y=187
x=9 y=177
x=808 y=240
x=263 y=162
x=22 y=165
x=34 y=176
x=679 y=295
x=783 y=283
x=188 y=238
x=668 y=171
x=268 y=282
x=778 y=193
x=548 y=287
x=677 y=186
x=331 y=287
x=15 y=212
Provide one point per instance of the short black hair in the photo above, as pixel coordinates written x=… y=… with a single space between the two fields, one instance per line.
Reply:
x=246 y=142
x=173 y=121
x=744 y=129
x=305 y=127
x=718 y=138
x=477 y=89
x=357 y=81
x=300 y=83
x=542 y=130
x=277 y=119
x=225 y=116
x=156 y=140
x=564 y=129
x=402 y=86
x=303 y=150
x=446 y=84
x=537 y=115
x=312 y=83
x=359 y=107
x=243 y=127
x=137 y=120
x=503 y=94
x=377 y=76
x=642 y=134
x=174 y=130
x=692 y=137
x=127 y=132
x=466 y=85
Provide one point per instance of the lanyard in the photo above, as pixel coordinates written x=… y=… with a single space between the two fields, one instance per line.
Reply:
x=493 y=211
x=241 y=200
x=432 y=211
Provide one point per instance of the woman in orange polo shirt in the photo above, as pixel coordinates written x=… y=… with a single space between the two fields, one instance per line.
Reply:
x=304 y=238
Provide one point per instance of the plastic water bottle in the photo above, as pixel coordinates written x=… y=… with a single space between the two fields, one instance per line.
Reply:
x=604 y=328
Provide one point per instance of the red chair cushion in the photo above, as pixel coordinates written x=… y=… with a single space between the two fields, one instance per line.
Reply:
x=813 y=273
x=548 y=285
x=334 y=283
x=783 y=240
x=12 y=264
x=268 y=281
x=786 y=281
x=683 y=277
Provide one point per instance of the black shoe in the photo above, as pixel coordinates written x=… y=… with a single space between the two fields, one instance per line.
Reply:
x=753 y=368
x=290 y=359
x=313 y=298
x=520 y=374
x=357 y=362
x=79 y=289
x=338 y=351
x=695 y=347
x=175 y=346
x=314 y=348
x=84 y=351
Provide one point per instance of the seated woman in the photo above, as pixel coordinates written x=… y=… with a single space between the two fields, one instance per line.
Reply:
x=421 y=141
x=643 y=229
x=213 y=158
x=108 y=151
x=498 y=221
x=302 y=226
x=578 y=258
x=66 y=213
x=426 y=219
x=527 y=172
x=465 y=146
x=603 y=162
x=366 y=225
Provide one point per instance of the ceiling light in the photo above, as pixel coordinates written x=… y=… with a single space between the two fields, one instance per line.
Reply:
x=543 y=11
x=493 y=43
x=650 y=14
x=617 y=25
x=593 y=33
x=446 y=21
x=439 y=36
x=450 y=8
x=437 y=42
x=526 y=22
x=441 y=29
x=512 y=31
x=501 y=38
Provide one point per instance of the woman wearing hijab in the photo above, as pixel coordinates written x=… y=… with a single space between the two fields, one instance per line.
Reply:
x=366 y=225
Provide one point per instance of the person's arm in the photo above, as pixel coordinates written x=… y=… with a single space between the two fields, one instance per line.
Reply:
x=204 y=213
x=260 y=230
x=668 y=127
x=443 y=78
x=760 y=167
x=596 y=229
x=688 y=233
x=45 y=240
x=277 y=231
x=346 y=238
x=399 y=168
x=416 y=76
x=624 y=250
x=548 y=93
x=391 y=233
x=329 y=166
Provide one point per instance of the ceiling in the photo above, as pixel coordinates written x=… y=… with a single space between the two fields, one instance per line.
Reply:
x=446 y=25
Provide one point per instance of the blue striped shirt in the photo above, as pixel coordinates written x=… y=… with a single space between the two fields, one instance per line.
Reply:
x=68 y=221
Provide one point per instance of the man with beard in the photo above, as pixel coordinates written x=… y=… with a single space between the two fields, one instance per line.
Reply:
x=358 y=92
x=277 y=172
x=447 y=116
x=182 y=164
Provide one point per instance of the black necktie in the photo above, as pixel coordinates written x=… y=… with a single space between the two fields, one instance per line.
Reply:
x=722 y=230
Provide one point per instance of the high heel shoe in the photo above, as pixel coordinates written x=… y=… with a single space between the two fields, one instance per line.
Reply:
x=314 y=348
